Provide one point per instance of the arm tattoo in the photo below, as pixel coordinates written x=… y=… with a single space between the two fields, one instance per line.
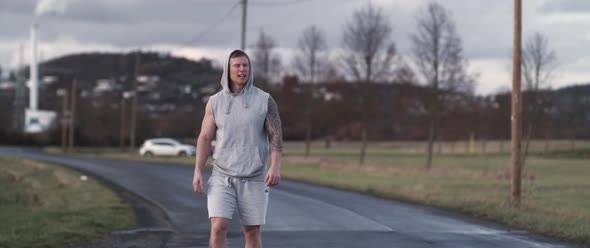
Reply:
x=273 y=126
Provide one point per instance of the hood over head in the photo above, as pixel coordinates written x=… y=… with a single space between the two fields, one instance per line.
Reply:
x=225 y=80
x=225 y=77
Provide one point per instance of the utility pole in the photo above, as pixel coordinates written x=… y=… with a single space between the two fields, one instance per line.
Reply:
x=516 y=104
x=244 y=5
x=72 y=115
x=122 y=128
x=19 y=104
x=20 y=60
x=134 y=104
x=65 y=118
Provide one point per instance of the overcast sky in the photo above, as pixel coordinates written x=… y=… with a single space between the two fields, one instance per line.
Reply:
x=178 y=26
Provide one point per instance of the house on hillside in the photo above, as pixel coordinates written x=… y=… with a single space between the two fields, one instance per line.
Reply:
x=104 y=85
x=7 y=85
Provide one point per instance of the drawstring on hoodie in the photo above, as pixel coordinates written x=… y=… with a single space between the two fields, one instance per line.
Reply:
x=228 y=104
x=228 y=182
x=244 y=96
x=244 y=101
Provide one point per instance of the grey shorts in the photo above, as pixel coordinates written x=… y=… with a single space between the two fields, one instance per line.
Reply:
x=250 y=197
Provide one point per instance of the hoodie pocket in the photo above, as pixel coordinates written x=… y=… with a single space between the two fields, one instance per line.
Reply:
x=240 y=161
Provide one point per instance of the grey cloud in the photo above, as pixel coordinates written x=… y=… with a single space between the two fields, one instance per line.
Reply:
x=147 y=11
x=90 y=12
x=570 y=6
x=145 y=23
x=14 y=26
x=125 y=23
x=481 y=24
x=26 y=7
x=148 y=22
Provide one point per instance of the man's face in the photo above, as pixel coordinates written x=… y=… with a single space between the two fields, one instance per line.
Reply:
x=239 y=69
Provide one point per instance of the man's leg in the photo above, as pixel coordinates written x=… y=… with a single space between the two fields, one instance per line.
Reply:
x=252 y=206
x=221 y=203
x=218 y=232
x=252 y=236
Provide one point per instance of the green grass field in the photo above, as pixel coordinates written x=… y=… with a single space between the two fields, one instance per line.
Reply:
x=556 y=185
x=46 y=205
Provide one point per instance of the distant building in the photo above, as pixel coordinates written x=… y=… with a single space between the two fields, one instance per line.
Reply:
x=104 y=85
x=146 y=82
x=7 y=85
x=38 y=121
x=47 y=80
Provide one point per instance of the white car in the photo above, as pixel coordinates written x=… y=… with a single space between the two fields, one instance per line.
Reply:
x=165 y=147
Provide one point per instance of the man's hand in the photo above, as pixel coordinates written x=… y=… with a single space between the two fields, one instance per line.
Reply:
x=198 y=182
x=273 y=176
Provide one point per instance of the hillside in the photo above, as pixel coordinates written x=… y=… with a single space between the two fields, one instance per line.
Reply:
x=119 y=68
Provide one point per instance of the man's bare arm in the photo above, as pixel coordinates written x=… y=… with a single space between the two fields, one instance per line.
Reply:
x=203 y=148
x=275 y=135
x=273 y=126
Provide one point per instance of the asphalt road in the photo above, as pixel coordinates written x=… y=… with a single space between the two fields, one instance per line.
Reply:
x=299 y=215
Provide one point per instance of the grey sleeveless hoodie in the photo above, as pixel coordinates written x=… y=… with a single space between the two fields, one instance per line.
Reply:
x=241 y=141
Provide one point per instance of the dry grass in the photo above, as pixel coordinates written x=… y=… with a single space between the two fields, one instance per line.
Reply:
x=45 y=205
x=464 y=147
x=556 y=192
x=396 y=170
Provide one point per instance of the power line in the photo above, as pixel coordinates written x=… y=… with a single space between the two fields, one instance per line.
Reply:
x=277 y=3
x=201 y=34
x=208 y=29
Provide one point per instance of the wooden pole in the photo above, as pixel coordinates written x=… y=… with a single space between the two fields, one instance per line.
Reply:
x=243 y=41
x=65 y=119
x=72 y=115
x=516 y=123
x=122 y=127
x=133 y=128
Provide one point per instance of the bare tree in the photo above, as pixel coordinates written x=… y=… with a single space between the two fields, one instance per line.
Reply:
x=312 y=46
x=538 y=66
x=265 y=60
x=438 y=55
x=369 y=55
x=308 y=62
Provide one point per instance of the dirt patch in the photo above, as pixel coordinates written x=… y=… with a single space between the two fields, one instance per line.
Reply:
x=64 y=181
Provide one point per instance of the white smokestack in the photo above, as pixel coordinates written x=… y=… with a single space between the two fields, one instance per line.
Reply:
x=34 y=78
x=36 y=120
x=43 y=7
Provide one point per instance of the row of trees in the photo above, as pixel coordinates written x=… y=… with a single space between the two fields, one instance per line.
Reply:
x=436 y=61
x=396 y=111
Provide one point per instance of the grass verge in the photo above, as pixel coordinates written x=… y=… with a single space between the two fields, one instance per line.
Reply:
x=115 y=153
x=46 y=205
x=556 y=192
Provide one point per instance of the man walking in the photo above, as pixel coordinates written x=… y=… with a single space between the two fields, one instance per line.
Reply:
x=244 y=122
